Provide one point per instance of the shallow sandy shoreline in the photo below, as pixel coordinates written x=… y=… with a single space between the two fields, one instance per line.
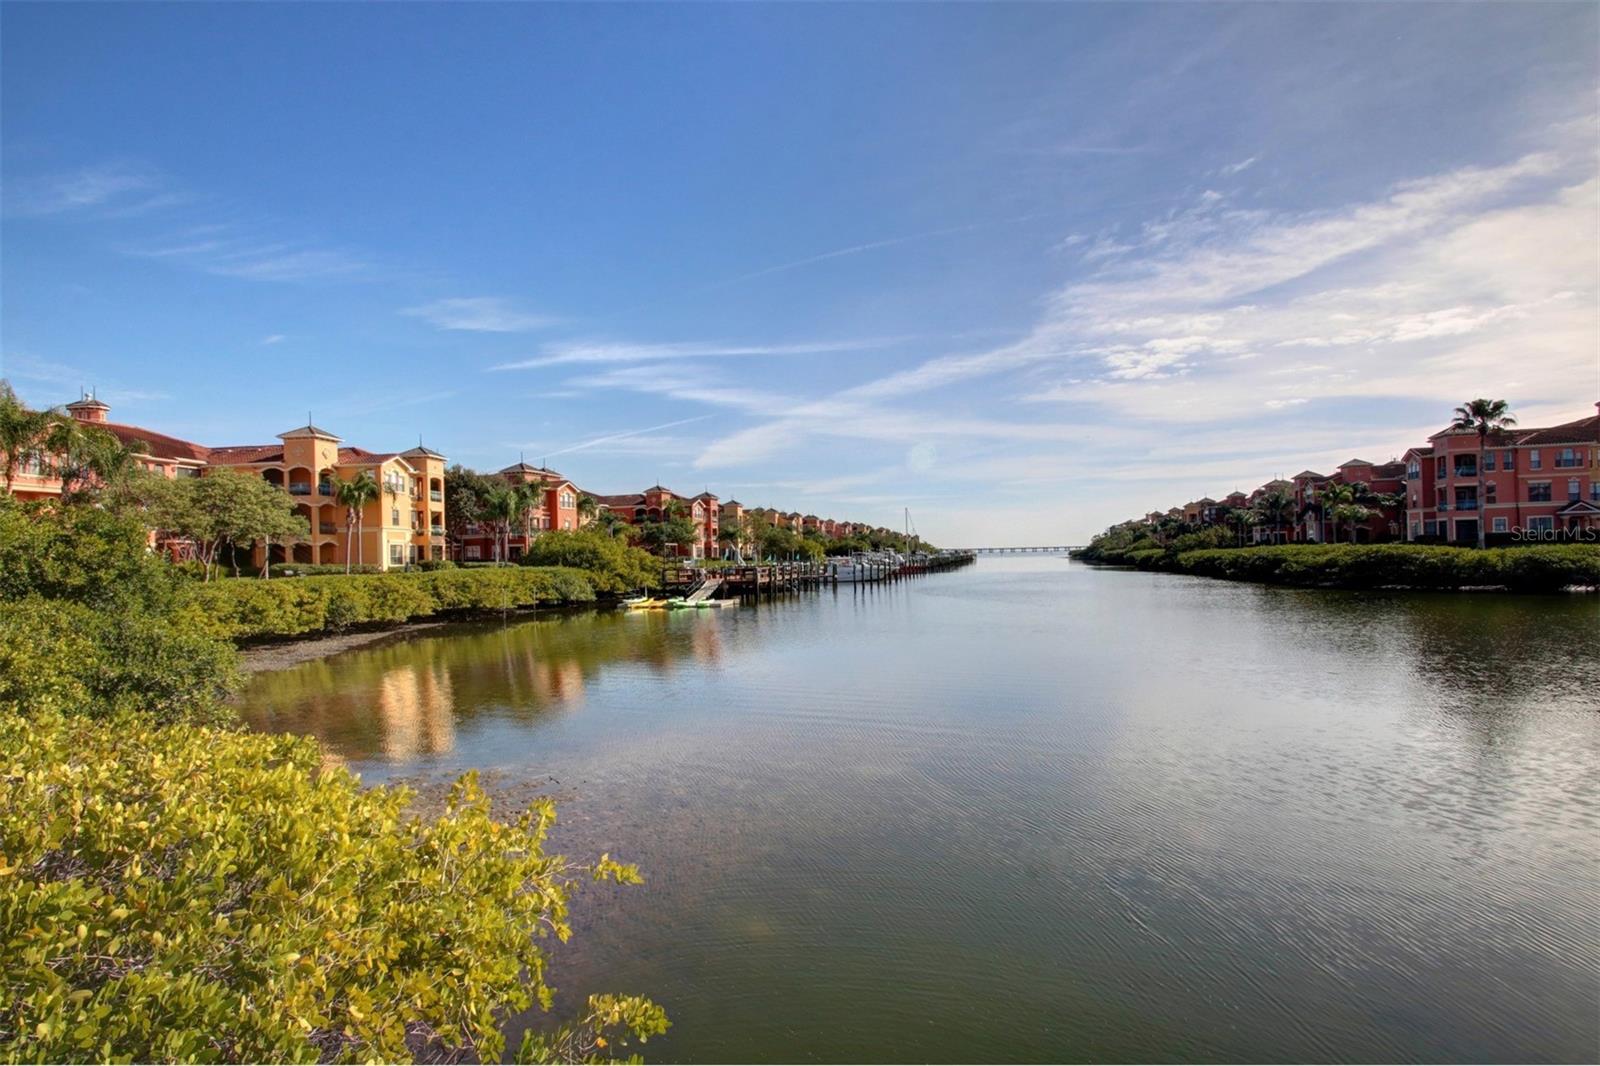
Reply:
x=279 y=656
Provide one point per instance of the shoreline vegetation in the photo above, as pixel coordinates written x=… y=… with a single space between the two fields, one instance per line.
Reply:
x=1535 y=568
x=176 y=888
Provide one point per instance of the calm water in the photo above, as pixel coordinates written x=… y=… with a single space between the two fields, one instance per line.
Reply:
x=1031 y=811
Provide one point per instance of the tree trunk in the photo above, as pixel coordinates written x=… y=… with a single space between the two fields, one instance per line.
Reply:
x=349 y=535
x=360 y=553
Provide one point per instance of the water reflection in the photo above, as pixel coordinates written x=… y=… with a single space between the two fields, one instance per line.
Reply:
x=405 y=698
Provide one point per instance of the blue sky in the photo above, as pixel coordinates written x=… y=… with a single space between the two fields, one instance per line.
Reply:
x=1025 y=270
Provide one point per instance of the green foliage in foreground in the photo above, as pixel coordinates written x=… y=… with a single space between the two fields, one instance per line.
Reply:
x=611 y=564
x=63 y=657
x=247 y=608
x=1537 y=568
x=183 y=893
x=87 y=623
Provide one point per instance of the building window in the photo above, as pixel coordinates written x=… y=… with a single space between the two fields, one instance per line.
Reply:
x=396 y=554
x=1441 y=467
x=1534 y=462
x=1488 y=493
x=1416 y=530
x=1500 y=525
x=1430 y=528
x=1488 y=460
x=1542 y=523
x=394 y=517
x=1568 y=457
x=473 y=552
x=1538 y=492
x=1574 y=491
x=1413 y=470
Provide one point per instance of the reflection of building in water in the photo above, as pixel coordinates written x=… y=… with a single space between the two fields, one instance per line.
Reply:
x=416 y=708
x=563 y=681
x=705 y=641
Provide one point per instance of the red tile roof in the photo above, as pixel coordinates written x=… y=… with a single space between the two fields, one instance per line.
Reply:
x=158 y=445
x=246 y=453
x=1583 y=431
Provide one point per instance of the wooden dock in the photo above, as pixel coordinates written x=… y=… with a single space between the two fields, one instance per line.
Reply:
x=769 y=579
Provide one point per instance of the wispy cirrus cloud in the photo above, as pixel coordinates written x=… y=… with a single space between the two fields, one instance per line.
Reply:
x=480 y=314
x=632 y=352
x=148 y=215
x=242 y=251
x=1252 y=317
x=605 y=438
x=1238 y=168
x=118 y=187
x=62 y=382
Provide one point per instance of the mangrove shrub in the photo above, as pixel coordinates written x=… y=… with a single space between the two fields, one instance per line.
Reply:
x=248 y=608
x=184 y=893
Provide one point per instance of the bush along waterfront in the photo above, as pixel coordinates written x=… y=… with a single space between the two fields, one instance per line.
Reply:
x=1539 y=568
x=175 y=889
x=246 y=608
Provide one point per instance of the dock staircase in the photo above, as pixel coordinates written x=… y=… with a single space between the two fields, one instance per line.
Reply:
x=704 y=591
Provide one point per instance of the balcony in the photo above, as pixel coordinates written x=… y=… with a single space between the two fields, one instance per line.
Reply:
x=1466 y=505
x=327 y=527
x=437 y=531
x=299 y=488
x=1568 y=462
x=324 y=488
x=1465 y=471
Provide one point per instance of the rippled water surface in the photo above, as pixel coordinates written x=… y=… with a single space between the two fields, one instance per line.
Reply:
x=1031 y=811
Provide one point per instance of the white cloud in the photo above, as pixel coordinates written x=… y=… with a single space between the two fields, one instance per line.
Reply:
x=274 y=338
x=629 y=352
x=1238 y=168
x=480 y=314
x=121 y=187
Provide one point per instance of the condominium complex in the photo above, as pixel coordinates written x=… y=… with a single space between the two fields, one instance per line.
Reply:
x=1537 y=483
x=406 y=522
x=657 y=504
x=403 y=524
x=558 y=509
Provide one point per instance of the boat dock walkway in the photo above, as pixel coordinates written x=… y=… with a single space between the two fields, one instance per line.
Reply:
x=699 y=583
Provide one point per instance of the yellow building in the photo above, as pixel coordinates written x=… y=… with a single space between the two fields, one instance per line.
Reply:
x=404 y=524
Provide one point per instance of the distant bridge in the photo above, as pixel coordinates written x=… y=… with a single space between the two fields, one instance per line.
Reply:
x=1051 y=549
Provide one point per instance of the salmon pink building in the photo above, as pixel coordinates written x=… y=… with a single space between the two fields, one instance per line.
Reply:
x=558 y=509
x=657 y=503
x=1539 y=483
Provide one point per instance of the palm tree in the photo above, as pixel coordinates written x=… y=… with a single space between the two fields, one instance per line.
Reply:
x=500 y=508
x=1275 y=508
x=529 y=499
x=1242 y=518
x=588 y=508
x=610 y=522
x=1485 y=417
x=24 y=433
x=1346 y=503
x=729 y=536
x=355 y=494
x=94 y=461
